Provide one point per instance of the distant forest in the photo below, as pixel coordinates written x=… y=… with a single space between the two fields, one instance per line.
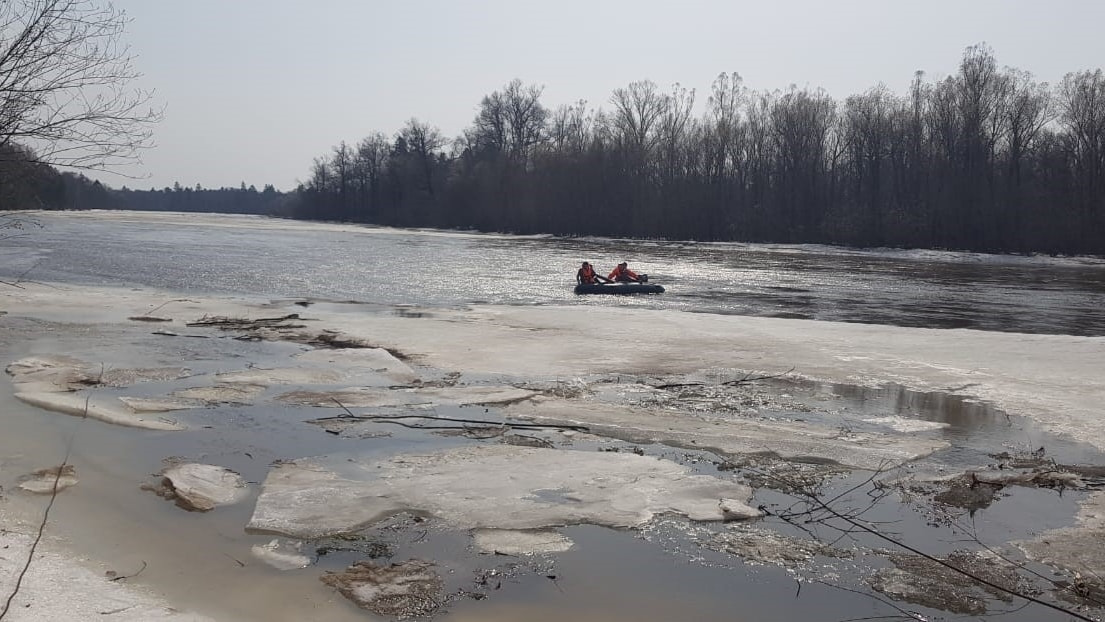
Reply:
x=27 y=184
x=987 y=159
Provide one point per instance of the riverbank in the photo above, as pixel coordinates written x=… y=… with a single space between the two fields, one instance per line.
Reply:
x=261 y=384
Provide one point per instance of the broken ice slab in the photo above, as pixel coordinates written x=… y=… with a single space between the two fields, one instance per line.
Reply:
x=490 y=486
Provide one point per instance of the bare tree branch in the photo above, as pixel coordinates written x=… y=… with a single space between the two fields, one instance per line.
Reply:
x=65 y=78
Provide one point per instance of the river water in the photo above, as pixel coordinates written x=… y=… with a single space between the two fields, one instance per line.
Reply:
x=246 y=255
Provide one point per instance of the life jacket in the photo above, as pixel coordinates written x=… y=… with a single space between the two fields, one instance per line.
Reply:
x=622 y=274
x=586 y=275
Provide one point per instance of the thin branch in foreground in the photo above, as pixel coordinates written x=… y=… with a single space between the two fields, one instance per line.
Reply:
x=821 y=506
x=750 y=378
x=42 y=523
x=350 y=416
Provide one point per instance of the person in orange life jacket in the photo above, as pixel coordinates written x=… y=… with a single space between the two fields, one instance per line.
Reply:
x=623 y=273
x=586 y=275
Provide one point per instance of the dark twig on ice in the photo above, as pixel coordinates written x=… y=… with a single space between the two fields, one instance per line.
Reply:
x=349 y=416
x=728 y=383
x=115 y=611
x=131 y=576
x=750 y=378
x=232 y=323
x=240 y=563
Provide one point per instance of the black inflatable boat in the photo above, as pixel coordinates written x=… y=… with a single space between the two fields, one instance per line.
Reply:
x=619 y=288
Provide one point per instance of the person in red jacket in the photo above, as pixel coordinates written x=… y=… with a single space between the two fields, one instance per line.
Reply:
x=586 y=275
x=623 y=273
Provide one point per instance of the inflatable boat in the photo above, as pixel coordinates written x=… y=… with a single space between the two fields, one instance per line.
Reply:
x=619 y=288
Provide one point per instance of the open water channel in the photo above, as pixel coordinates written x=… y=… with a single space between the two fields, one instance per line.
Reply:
x=235 y=255
x=672 y=569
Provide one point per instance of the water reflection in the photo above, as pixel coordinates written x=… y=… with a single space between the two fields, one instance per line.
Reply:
x=974 y=429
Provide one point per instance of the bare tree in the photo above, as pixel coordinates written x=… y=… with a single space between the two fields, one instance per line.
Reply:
x=342 y=165
x=674 y=127
x=725 y=133
x=526 y=118
x=637 y=110
x=490 y=127
x=569 y=127
x=801 y=122
x=369 y=162
x=867 y=132
x=65 y=78
x=424 y=141
x=1029 y=110
x=1082 y=114
x=511 y=122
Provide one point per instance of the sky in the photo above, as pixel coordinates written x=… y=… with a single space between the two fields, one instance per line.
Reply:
x=254 y=90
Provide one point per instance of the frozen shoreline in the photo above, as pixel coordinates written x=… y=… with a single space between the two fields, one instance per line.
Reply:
x=1054 y=380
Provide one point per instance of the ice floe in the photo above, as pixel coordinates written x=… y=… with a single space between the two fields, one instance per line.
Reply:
x=203 y=487
x=490 y=486
x=732 y=436
x=103 y=407
x=50 y=480
x=520 y=542
x=282 y=554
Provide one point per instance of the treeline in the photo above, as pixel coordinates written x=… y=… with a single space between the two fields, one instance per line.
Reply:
x=28 y=184
x=241 y=200
x=986 y=159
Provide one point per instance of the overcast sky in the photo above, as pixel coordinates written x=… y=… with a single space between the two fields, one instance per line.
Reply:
x=254 y=89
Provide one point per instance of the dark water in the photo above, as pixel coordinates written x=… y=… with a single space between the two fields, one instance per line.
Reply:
x=285 y=259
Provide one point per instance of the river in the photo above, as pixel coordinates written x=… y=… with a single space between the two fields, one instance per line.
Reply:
x=245 y=255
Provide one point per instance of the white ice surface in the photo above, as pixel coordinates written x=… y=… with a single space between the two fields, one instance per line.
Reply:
x=1055 y=379
x=206 y=486
x=374 y=359
x=489 y=486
